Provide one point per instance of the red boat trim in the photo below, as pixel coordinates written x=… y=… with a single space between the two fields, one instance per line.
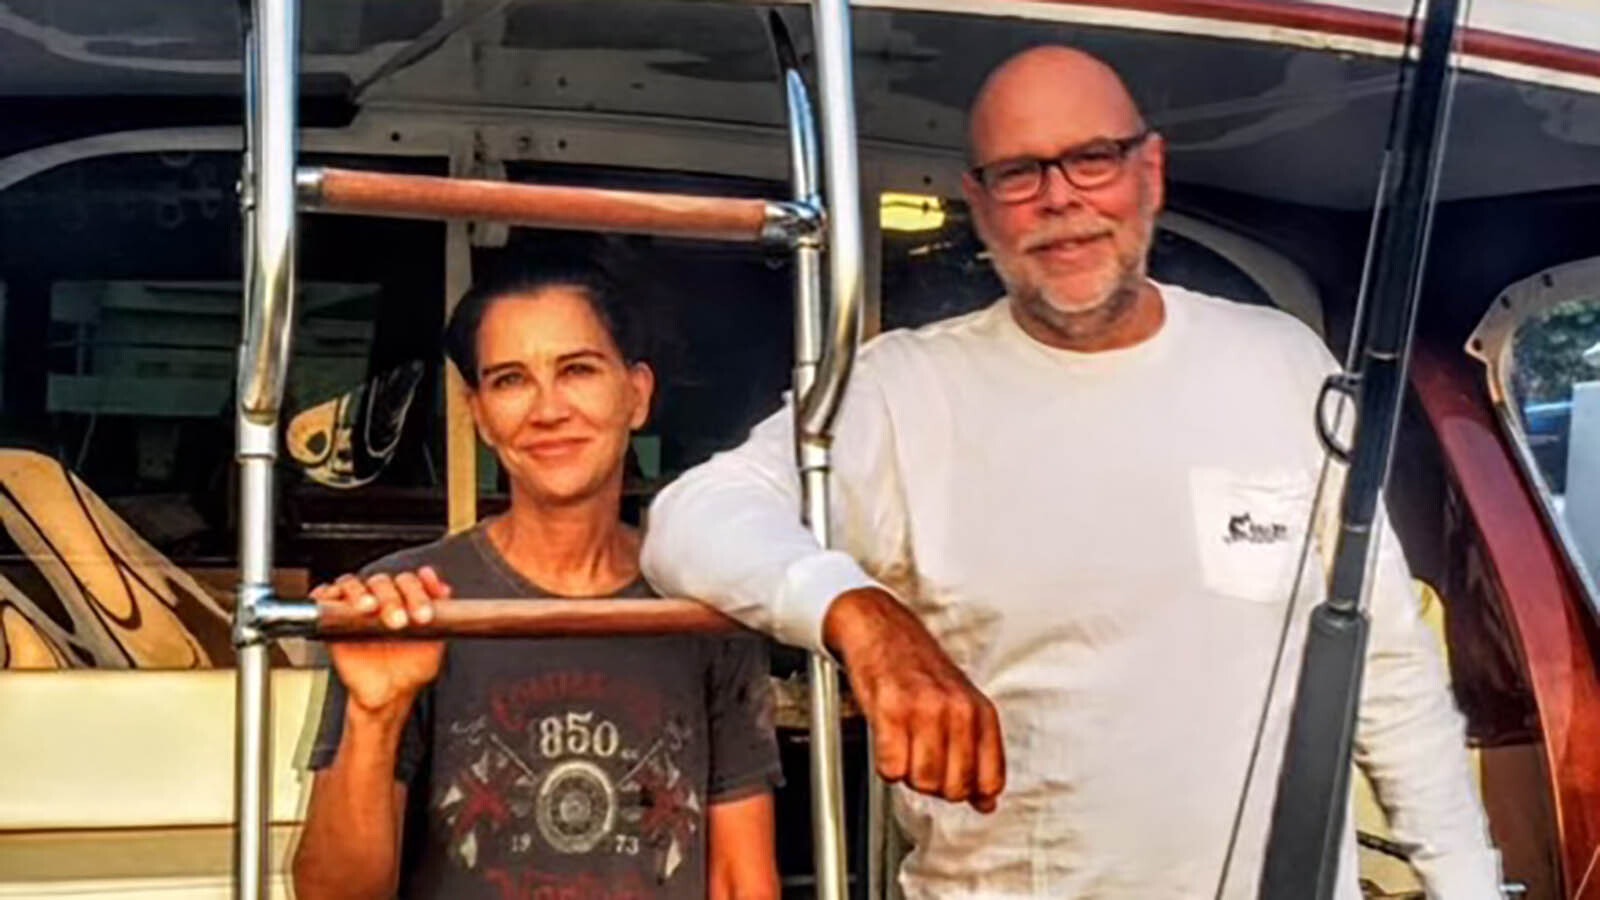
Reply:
x=1554 y=629
x=1360 y=23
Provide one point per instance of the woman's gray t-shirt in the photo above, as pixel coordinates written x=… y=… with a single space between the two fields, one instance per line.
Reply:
x=574 y=767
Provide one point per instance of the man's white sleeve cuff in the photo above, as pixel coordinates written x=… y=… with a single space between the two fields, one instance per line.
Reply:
x=1473 y=875
x=809 y=587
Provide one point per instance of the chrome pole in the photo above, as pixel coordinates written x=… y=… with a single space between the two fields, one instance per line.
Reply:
x=825 y=349
x=270 y=108
x=827 y=752
x=831 y=22
x=880 y=859
x=811 y=454
x=268 y=203
x=809 y=310
x=252 y=787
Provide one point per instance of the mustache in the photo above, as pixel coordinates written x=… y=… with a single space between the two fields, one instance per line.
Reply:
x=1056 y=235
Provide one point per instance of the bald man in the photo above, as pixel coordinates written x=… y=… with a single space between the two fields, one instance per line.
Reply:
x=1070 y=526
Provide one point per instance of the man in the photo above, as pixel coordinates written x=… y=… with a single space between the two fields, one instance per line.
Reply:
x=1091 y=497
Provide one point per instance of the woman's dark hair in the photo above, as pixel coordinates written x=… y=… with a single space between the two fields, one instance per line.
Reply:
x=521 y=276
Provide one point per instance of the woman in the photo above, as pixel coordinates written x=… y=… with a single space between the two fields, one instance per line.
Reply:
x=583 y=768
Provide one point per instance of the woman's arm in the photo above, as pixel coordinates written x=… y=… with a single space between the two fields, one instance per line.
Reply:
x=368 y=743
x=743 y=863
x=744 y=767
x=350 y=849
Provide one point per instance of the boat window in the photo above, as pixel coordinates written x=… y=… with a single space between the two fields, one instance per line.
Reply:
x=1554 y=376
x=116 y=443
x=1514 y=277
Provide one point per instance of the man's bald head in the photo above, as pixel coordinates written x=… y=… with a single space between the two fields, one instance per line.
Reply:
x=1056 y=81
x=1065 y=195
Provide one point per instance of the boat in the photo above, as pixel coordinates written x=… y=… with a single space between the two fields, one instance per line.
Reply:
x=124 y=292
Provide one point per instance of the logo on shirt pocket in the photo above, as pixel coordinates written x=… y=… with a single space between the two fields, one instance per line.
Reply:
x=1244 y=527
x=1249 y=527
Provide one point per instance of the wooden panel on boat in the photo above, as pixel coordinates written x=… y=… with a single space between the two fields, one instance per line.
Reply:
x=1550 y=624
x=126 y=749
x=132 y=864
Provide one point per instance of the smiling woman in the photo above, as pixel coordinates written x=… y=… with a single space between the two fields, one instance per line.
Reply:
x=649 y=765
x=557 y=377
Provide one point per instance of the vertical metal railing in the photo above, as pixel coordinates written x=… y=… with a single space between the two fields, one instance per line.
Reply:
x=836 y=86
x=827 y=330
x=824 y=350
x=833 y=347
x=267 y=194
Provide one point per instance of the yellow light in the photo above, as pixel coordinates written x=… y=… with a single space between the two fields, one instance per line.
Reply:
x=910 y=212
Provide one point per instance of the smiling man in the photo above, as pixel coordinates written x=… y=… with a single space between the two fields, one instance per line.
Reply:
x=1073 y=520
x=1070 y=248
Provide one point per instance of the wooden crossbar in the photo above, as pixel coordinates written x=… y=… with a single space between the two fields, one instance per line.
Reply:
x=534 y=205
x=534 y=619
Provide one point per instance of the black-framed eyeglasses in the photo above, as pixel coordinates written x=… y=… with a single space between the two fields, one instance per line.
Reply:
x=1086 y=167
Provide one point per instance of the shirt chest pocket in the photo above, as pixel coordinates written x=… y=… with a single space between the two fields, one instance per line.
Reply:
x=1249 y=530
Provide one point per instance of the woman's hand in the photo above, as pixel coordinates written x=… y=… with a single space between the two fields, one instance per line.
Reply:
x=382 y=673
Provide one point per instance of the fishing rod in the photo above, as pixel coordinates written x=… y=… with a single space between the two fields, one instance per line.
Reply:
x=1308 y=815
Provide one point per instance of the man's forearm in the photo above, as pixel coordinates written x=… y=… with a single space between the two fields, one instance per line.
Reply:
x=350 y=847
x=861 y=616
x=730 y=533
x=1412 y=743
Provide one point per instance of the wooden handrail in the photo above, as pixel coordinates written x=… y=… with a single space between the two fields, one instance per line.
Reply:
x=533 y=619
x=534 y=205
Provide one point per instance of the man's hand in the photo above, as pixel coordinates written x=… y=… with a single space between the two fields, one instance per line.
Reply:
x=382 y=674
x=930 y=727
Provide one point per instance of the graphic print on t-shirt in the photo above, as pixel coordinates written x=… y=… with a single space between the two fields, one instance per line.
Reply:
x=571 y=765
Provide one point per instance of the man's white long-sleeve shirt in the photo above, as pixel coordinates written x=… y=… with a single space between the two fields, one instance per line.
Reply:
x=1106 y=544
